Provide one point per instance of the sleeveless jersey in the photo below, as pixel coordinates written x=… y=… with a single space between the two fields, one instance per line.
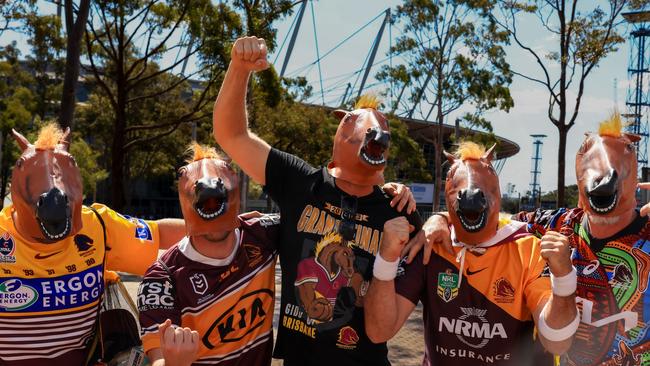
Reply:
x=50 y=293
x=613 y=276
x=228 y=302
x=487 y=318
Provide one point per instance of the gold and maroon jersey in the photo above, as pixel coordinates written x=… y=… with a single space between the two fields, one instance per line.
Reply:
x=50 y=293
x=485 y=319
x=612 y=292
x=229 y=302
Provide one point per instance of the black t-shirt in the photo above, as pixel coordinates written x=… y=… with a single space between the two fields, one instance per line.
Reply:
x=324 y=277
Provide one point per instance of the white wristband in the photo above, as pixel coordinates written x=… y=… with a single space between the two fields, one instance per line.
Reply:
x=565 y=285
x=384 y=270
x=557 y=335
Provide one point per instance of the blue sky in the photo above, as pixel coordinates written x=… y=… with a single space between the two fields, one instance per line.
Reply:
x=337 y=19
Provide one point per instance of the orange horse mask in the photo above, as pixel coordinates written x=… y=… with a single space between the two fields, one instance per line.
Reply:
x=361 y=144
x=472 y=194
x=606 y=170
x=208 y=190
x=46 y=188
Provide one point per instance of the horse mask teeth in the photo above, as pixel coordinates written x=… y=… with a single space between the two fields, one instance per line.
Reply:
x=361 y=144
x=47 y=207
x=208 y=190
x=606 y=170
x=472 y=194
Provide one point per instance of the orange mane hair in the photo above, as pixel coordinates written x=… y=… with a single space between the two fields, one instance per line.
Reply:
x=331 y=238
x=367 y=101
x=198 y=152
x=612 y=127
x=468 y=150
x=49 y=136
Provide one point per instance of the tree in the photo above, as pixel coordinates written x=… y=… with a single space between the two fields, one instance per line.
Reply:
x=586 y=33
x=16 y=109
x=86 y=158
x=571 y=196
x=454 y=58
x=75 y=29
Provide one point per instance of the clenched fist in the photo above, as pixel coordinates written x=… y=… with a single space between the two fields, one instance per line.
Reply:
x=180 y=346
x=249 y=53
x=556 y=250
x=396 y=235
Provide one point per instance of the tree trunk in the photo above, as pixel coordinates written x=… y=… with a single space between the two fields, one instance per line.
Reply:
x=75 y=31
x=3 y=189
x=117 y=151
x=437 y=189
x=2 y=179
x=561 y=165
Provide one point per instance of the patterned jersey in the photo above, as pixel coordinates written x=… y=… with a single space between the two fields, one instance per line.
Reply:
x=612 y=288
x=487 y=320
x=50 y=293
x=327 y=284
x=229 y=302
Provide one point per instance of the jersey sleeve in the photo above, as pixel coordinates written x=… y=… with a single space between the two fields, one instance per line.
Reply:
x=156 y=303
x=537 y=286
x=539 y=221
x=265 y=228
x=131 y=243
x=410 y=279
x=306 y=272
x=285 y=175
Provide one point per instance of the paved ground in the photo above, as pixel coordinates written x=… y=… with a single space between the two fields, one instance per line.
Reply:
x=406 y=349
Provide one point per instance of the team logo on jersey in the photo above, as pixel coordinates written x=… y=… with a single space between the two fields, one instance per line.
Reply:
x=7 y=249
x=14 y=295
x=199 y=283
x=253 y=254
x=84 y=245
x=348 y=338
x=504 y=292
x=447 y=285
x=142 y=229
x=472 y=328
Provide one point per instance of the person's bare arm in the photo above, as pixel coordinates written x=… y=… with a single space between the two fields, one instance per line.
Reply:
x=156 y=357
x=560 y=312
x=229 y=120
x=385 y=310
x=171 y=231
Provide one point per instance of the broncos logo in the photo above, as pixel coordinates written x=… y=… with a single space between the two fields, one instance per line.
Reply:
x=503 y=288
x=83 y=242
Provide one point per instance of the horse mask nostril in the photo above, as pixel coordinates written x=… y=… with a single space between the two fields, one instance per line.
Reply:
x=471 y=200
x=606 y=185
x=53 y=206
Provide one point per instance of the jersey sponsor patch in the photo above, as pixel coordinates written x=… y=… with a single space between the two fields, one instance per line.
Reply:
x=155 y=294
x=7 y=249
x=472 y=328
x=447 y=286
x=49 y=294
x=142 y=229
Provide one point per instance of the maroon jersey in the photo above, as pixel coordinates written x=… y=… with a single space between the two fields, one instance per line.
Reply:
x=228 y=302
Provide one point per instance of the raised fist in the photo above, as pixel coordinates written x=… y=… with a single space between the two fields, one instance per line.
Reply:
x=249 y=53
x=320 y=309
x=396 y=235
x=179 y=346
x=556 y=250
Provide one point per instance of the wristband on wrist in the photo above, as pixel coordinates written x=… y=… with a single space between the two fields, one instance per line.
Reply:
x=384 y=270
x=565 y=285
x=557 y=335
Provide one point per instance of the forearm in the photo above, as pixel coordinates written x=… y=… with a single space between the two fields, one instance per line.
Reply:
x=229 y=116
x=381 y=311
x=560 y=312
x=171 y=231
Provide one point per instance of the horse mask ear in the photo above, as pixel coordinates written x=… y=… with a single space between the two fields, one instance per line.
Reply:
x=450 y=157
x=339 y=113
x=490 y=154
x=23 y=143
x=65 y=139
x=632 y=137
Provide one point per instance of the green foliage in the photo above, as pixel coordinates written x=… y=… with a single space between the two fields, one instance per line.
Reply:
x=86 y=158
x=571 y=197
x=406 y=159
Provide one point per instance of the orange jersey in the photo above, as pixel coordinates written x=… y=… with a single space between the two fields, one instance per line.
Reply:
x=49 y=293
x=228 y=302
x=487 y=318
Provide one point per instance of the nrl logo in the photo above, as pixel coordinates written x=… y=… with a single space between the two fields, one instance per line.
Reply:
x=447 y=286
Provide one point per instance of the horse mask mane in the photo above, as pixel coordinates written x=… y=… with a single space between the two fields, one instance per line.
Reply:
x=46 y=188
x=361 y=144
x=208 y=190
x=606 y=170
x=472 y=193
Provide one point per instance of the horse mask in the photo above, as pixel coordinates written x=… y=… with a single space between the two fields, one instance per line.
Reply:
x=472 y=193
x=361 y=144
x=208 y=190
x=606 y=169
x=46 y=188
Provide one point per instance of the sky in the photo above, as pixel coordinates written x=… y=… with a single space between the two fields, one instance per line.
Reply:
x=335 y=20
